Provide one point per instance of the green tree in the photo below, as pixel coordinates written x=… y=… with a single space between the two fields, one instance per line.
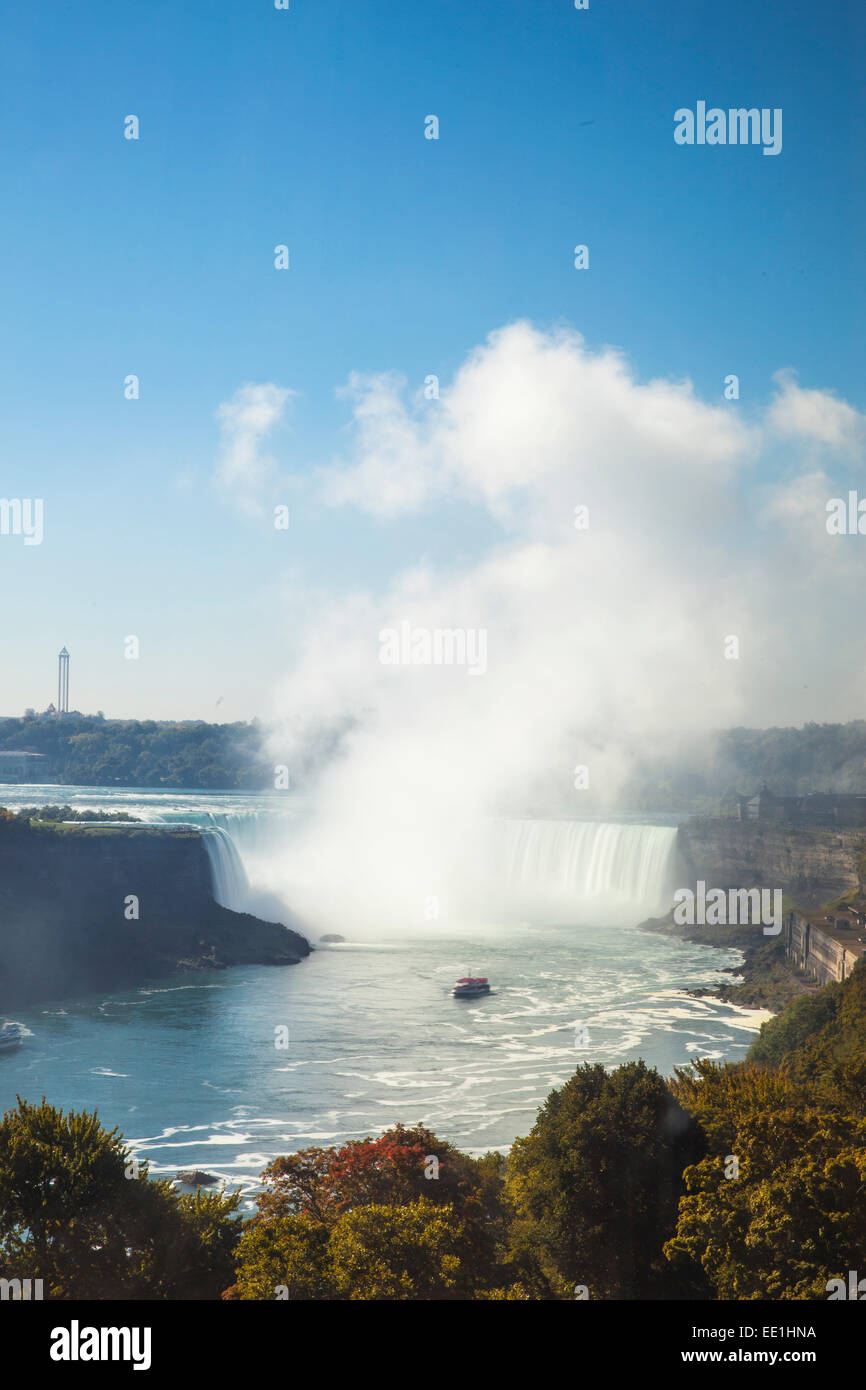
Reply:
x=820 y=1041
x=398 y=1252
x=717 y=1095
x=595 y=1186
x=285 y=1253
x=79 y=1213
x=789 y=1216
x=372 y=1252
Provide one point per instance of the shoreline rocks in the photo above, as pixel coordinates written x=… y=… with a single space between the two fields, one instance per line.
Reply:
x=195 y=1177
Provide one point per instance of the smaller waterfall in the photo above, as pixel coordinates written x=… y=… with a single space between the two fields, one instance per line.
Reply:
x=229 y=881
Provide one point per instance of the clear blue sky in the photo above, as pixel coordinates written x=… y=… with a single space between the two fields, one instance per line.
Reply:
x=259 y=127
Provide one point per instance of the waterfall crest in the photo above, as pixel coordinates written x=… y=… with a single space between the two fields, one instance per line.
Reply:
x=529 y=870
x=599 y=870
x=253 y=831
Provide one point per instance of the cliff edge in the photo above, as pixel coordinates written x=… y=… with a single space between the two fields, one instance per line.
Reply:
x=814 y=866
x=811 y=866
x=90 y=907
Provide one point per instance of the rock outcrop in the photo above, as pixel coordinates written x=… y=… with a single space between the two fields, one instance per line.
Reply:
x=811 y=866
x=102 y=907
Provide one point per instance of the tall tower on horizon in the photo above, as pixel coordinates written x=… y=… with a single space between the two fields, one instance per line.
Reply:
x=63 y=682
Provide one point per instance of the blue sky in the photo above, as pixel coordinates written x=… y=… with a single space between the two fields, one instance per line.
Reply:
x=305 y=127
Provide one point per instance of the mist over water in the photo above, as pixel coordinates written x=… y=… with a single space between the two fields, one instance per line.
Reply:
x=505 y=871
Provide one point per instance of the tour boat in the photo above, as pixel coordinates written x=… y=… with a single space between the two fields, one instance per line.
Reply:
x=470 y=987
x=10 y=1036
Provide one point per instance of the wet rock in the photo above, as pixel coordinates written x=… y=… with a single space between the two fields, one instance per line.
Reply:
x=194 y=1177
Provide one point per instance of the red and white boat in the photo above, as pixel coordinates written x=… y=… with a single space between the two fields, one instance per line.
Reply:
x=470 y=987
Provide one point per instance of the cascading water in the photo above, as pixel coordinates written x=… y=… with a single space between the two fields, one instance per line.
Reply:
x=541 y=870
x=243 y=842
x=254 y=832
x=599 y=870
x=230 y=884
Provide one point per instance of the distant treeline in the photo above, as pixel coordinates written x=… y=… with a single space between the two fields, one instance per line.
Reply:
x=53 y=815
x=818 y=757
x=96 y=752
x=705 y=774
x=710 y=774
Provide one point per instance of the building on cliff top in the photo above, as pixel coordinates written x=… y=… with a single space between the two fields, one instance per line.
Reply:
x=815 y=808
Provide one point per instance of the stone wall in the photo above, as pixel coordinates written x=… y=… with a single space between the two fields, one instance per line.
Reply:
x=816 y=952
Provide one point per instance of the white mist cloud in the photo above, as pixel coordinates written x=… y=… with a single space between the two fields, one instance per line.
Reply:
x=243 y=469
x=603 y=645
x=815 y=415
x=391 y=475
x=526 y=412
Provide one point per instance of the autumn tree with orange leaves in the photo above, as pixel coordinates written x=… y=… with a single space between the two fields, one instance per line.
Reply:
x=443 y=1210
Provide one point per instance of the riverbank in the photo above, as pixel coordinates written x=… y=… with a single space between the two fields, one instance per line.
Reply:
x=766 y=977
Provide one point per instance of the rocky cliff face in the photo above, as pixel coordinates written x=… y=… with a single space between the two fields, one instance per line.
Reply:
x=68 y=905
x=811 y=866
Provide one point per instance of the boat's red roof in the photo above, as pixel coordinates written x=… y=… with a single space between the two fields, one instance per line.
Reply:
x=473 y=980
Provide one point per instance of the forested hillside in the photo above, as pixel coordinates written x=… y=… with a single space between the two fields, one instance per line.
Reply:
x=98 y=752
x=707 y=774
